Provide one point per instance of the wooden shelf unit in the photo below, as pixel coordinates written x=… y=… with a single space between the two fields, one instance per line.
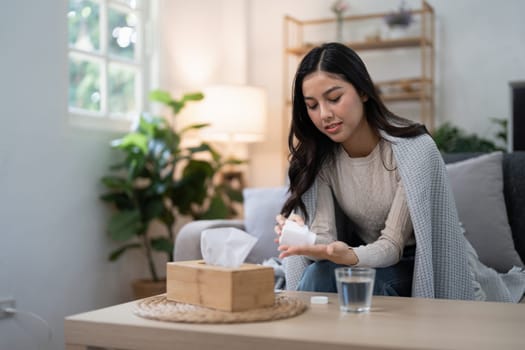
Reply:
x=416 y=89
x=369 y=45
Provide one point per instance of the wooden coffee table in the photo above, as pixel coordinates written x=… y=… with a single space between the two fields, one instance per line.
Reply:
x=393 y=323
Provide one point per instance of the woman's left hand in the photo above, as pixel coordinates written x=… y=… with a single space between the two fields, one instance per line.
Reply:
x=280 y=220
x=337 y=252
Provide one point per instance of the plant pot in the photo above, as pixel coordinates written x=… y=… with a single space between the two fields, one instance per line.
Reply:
x=144 y=288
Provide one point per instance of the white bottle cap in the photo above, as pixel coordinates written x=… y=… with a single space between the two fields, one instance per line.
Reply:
x=319 y=299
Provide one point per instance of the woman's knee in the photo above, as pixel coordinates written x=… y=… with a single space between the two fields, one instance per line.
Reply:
x=319 y=277
x=390 y=282
x=389 y=288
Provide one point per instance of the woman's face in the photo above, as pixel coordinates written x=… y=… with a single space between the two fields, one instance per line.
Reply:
x=334 y=106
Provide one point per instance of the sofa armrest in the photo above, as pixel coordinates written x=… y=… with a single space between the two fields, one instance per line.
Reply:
x=188 y=241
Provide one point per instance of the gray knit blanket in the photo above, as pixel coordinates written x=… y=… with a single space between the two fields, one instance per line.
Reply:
x=444 y=266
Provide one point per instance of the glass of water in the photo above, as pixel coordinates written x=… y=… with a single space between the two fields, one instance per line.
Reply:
x=354 y=288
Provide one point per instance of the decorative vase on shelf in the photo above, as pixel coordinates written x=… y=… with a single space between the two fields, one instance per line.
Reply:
x=338 y=8
x=339 y=29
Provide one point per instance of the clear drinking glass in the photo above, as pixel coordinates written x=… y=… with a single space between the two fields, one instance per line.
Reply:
x=354 y=288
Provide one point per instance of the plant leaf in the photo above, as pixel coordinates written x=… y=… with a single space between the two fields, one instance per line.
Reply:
x=176 y=106
x=162 y=244
x=115 y=182
x=192 y=188
x=153 y=208
x=194 y=126
x=450 y=139
x=195 y=167
x=133 y=140
x=125 y=225
x=114 y=255
x=233 y=194
x=168 y=218
x=217 y=209
x=200 y=148
x=160 y=96
x=234 y=161
x=189 y=191
x=121 y=200
x=147 y=125
x=192 y=96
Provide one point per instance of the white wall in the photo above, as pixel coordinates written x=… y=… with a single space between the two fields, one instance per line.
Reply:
x=203 y=42
x=53 y=246
x=480 y=49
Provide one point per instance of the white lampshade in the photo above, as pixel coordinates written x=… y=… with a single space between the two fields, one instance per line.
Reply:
x=236 y=113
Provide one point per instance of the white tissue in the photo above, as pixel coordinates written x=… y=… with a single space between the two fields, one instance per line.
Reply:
x=294 y=234
x=226 y=246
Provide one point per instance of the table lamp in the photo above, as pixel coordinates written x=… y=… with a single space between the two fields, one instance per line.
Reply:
x=236 y=114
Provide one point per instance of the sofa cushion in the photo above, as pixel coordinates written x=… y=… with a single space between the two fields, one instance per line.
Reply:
x=261 y=205
x=477 y=184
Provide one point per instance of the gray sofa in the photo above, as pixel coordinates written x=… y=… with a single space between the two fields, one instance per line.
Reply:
x=513 y=191
x=187 y=244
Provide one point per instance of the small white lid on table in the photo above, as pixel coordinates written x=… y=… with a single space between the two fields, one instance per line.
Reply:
x=319 y=299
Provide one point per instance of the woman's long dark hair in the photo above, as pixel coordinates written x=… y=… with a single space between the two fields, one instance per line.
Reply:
x=309 y=148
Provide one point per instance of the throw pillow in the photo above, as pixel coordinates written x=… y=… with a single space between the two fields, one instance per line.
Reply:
x=261 y=205
x=477 y=185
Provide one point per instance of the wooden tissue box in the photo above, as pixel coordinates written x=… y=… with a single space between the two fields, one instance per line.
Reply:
x=230 y=289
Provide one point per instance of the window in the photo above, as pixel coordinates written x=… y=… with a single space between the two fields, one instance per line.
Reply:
x=107 y=63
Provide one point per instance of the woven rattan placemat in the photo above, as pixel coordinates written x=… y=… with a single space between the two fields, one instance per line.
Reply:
x=161 y=309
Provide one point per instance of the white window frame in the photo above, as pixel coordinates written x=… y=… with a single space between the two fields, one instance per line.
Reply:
x=143 y=63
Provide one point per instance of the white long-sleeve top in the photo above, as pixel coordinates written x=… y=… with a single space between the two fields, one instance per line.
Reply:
x=370 y=192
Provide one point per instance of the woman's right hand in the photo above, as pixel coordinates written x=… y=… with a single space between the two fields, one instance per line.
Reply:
x=280 y=219
x=337 y=252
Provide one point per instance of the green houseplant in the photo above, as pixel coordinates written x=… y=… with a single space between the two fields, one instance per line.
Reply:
x=451 y=139
x=158 y=179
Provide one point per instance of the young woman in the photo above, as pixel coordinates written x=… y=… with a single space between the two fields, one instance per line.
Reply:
x=351 y=158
